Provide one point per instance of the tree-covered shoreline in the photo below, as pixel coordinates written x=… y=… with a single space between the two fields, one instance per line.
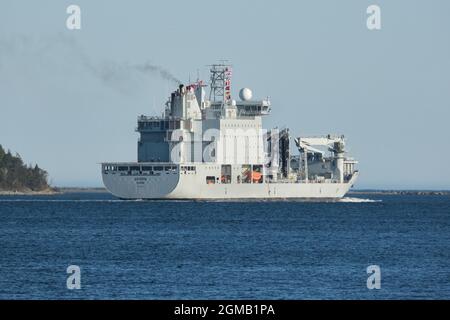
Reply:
x=16 y=176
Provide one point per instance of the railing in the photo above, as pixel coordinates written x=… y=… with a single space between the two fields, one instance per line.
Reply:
x=139 y=169
x=149 y=118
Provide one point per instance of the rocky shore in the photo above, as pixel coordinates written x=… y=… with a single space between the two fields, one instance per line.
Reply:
x=50 y=191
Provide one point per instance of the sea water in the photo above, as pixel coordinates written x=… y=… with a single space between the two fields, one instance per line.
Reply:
x=224 y=250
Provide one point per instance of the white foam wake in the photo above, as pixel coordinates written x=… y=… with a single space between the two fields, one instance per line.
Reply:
x=357 y=200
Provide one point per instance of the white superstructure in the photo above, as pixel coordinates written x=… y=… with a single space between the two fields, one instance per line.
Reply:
x=214 y=147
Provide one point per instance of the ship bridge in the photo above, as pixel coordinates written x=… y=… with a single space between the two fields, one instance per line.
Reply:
x=247 y=108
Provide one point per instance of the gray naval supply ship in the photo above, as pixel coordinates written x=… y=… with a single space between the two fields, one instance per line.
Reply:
x=214 y=147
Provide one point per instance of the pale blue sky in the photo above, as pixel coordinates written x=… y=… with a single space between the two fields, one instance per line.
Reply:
x=68 y=100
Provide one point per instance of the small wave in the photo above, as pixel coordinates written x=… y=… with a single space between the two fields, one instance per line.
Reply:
x=358 y=200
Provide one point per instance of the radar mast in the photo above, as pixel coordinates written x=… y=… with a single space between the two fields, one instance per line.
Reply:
x=220 y=82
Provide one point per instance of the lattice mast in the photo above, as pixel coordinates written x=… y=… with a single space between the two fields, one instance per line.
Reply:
x=220 y=82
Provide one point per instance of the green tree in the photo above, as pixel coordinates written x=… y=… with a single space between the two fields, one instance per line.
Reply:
x=17 y=176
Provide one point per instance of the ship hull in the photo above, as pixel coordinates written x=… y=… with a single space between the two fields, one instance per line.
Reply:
x=192 y=186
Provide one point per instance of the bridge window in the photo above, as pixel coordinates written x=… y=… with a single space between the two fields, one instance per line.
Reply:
x=109 y=168
x=159 y=168
x=170 y=169
x=210 y=180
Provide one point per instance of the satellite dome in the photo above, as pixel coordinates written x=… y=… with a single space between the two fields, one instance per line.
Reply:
x=245 y=94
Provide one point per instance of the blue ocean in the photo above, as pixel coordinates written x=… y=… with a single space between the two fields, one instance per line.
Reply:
x=224 y=250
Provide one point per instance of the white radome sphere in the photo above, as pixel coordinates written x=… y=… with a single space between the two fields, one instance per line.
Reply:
x=245 y=94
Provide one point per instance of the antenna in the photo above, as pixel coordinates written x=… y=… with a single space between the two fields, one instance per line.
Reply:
x=220 y=82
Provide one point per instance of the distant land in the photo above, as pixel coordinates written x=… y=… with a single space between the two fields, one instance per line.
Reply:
x=81 y=190
x=401 y=192
x=16 y=177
